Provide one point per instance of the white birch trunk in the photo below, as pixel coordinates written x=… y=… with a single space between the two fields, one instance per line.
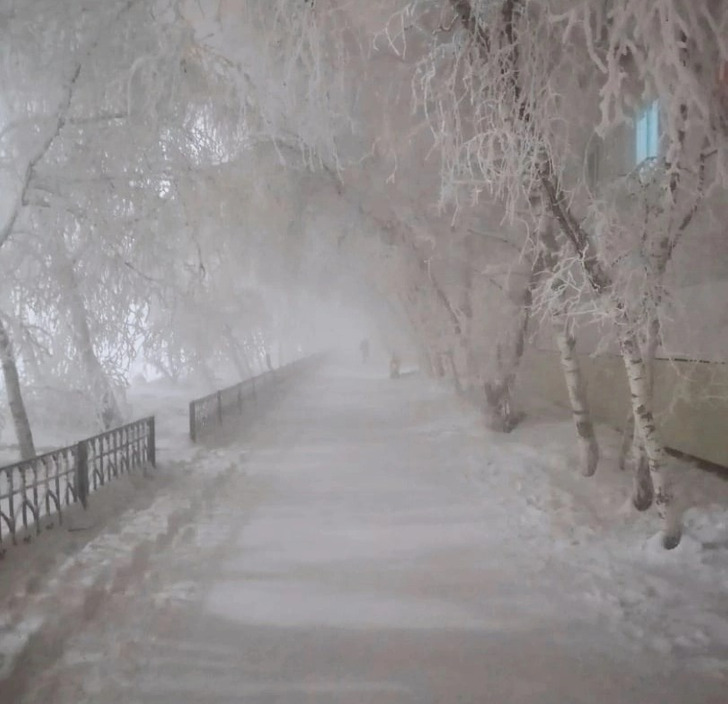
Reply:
x=23 y=431
x=631 y=452
x=632 y=444
x=575 y=386
x=643 y=488
x=103 y=393
x=638 y=378
x=588 y=447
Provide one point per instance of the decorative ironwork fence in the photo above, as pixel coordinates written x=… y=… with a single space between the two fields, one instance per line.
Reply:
x=212 y=411
x=34 y=492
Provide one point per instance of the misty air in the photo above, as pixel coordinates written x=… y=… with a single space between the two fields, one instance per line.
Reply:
x=363 y=352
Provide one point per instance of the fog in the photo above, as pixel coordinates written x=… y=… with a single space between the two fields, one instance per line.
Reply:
x=363 y=352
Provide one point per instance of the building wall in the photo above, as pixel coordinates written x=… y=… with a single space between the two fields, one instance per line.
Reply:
x=691 y=378
x=691 y=398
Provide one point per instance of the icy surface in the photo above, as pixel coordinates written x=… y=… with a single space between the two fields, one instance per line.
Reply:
x=377 y=545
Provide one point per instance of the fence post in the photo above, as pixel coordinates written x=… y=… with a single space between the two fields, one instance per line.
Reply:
x=240 y=399
x=219 y=408
x=193 y=428
x=82 y=473
x=152 y=443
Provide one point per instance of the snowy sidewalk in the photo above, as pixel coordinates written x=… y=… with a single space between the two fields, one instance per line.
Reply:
x=359 y=556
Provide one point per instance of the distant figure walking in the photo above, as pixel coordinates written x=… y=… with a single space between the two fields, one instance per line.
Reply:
x=394 y=364
x=364 y=349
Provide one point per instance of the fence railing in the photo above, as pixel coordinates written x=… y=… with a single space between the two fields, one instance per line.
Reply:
x=35 y=492
x=211 y=412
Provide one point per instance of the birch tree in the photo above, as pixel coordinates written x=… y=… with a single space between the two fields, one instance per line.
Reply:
x=15 y=397
x=100 y=165
x=523 y=146
x=495 y=83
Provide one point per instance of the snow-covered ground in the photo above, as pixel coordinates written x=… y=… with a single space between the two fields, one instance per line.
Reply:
x=376 y=544
x=169 y=403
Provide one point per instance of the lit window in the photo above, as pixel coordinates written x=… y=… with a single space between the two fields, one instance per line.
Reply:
x=647 y=133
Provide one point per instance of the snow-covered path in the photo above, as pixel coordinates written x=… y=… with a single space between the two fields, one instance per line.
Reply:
x=352 y=559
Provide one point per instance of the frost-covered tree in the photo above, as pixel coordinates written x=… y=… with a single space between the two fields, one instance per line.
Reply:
x=523 y=142
x=103 y=112
x=180 y=164
x=495 y=83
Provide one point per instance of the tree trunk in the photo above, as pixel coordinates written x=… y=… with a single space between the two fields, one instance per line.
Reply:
x=450 y=356
x=499 y=400
x=437 y=366
x=201 y=368
x=589 y=449
x=101 y=389
x=633 y=447
x=498 y=395
x=238 y=357
x=643 y=495
x=463 y=350
x=427 y=359
x=499 y=391
x=431 y=285
x=632 y=452
x=638 y=378
x=263 y=348
x=597 y=275
x=15 y=397
x=547 y=261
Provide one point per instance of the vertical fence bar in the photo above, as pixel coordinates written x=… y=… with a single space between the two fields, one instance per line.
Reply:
x=24 y=495
x=11 y=507
x=99 y=451
x=60 y=467
x=47 y=481
x=152 y=443
x=219 y=408
x=117 y=464
x=35 y=494
x=193 y=429
x=82 y=473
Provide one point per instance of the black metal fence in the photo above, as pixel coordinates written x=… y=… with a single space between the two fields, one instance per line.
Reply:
x=34 y=492
x=211 y=412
